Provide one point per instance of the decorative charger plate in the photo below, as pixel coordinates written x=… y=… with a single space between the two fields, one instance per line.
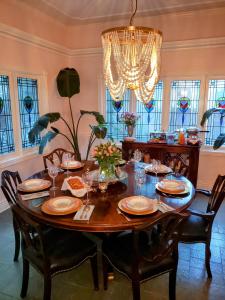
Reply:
x=62 y=205
x=34 y=185
x=161 y=170
x=72 y=165
x=138 y=205
x=172 y=187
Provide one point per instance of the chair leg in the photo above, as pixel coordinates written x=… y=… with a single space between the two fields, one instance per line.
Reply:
x=207 y=259
x=136 y=290
x=47 y=287
x=17 y=241
x=94 y=269
x=172 y=284
x=105 y=268
x=23 y=292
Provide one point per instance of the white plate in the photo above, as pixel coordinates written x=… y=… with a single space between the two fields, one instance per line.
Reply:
x=62 y=203
x=33 y=185
x=162 y=169
x=138 y=203
x=185 y=191
x=150 y=209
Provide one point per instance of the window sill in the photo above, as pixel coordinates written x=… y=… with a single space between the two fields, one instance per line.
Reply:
x=13 y=159
x=209 y=151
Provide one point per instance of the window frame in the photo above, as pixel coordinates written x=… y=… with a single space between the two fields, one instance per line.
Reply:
x=167 y=80
x=21 y=154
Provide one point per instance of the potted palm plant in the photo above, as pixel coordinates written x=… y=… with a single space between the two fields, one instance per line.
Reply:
x=220 y=140
x=68 y=84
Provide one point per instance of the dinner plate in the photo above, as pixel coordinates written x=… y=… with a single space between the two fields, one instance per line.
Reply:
x=34 y=185
x=61 y=205
x=162 y=169
x=130 y=205
x=72 y=165
x=172 y=192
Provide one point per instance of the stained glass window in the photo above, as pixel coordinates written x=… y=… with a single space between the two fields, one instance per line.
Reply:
x=150 y=114
x=28 y=107
x=116 y=129
x=216 y=99
x=184 y=104
x=6 y=127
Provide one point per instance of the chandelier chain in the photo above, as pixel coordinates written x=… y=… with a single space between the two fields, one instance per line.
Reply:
x=134 y=12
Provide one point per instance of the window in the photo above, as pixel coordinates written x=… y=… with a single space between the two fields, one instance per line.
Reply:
x=216 y=99
x=19 y=110
x=184 y=104
x=150 y=114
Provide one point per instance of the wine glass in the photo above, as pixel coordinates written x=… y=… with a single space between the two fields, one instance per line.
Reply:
x=53 y=172
x=140 y=178
x=137 y=155
x=88 y=180
x=155 y=167
x=66 y=159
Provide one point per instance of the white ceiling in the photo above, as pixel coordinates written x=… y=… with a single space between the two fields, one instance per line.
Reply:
x=87 y=11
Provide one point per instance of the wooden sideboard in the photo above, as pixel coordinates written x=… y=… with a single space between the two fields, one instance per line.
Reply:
x=182 y=159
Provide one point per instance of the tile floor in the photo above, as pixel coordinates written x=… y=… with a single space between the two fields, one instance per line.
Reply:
x=192 y=280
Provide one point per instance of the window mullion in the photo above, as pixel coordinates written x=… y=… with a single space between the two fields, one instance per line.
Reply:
x=166 y=104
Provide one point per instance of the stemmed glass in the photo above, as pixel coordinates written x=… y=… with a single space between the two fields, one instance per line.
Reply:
x=155 y=167
x=53 y=172
x=66 y=159
x=137 y=155
x=88 y=180
x=140 y=178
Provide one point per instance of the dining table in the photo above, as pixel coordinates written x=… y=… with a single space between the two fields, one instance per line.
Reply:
x=106 y=217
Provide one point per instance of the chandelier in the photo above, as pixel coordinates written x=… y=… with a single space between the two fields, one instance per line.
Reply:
x=131 y=60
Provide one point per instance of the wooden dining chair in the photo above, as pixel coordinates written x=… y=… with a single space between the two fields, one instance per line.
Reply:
x=9 y=182
x=141 y=255
x=56 y=154
x=197 y=228
x=52 y=252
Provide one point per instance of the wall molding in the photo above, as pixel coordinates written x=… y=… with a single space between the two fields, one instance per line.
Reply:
x=27 y=38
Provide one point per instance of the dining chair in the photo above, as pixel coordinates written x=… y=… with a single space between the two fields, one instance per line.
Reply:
x=9 y=182
x=56 y=154
x=52 y=252
x=144 y=253
x=197 y=228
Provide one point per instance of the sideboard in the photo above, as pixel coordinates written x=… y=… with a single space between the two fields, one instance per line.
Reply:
x=183 y=159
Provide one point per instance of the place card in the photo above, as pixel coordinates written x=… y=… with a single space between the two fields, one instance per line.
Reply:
x=35 y=195
x=84 y=213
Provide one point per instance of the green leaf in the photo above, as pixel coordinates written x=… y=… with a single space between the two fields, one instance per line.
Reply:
x=46 y=139
x=219 y=141
x=55 y=129
x=41 y=124
x=99 y=117
x=68 y=82
x=208 y=113
x=99 y=131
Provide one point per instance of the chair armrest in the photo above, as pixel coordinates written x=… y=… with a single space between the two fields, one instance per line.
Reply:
x=198 y=213
x=204 y=192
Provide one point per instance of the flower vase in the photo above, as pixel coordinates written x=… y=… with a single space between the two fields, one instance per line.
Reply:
x=107 y=172
x=130 y=130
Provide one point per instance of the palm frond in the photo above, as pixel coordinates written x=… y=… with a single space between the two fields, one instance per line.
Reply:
x=46 y=139
x=219 y=141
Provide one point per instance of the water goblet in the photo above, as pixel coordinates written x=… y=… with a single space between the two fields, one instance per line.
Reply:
x=66 y=159
x=88 y=180
x=155 y=167
x=137 y=156
x=140 y=178
x=53 y=172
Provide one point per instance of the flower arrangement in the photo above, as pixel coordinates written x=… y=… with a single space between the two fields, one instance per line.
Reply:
x=129 y=118
x=107 y=153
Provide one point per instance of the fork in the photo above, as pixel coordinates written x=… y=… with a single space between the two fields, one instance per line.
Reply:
x=120 y=213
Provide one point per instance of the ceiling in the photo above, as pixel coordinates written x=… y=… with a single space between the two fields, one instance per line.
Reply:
x=91 y=11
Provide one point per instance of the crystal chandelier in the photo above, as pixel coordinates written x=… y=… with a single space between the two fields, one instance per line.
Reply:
x=131 y=60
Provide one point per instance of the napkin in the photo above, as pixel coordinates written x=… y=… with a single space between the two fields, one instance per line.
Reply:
x=84 y=213
x=35 y=195
x=164 y=207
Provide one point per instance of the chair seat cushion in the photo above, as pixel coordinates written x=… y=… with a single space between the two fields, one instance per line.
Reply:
x=194 y=229
x=118 y=251
x=64 y=248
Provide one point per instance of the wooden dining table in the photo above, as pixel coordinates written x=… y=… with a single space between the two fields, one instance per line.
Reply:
x=105 y=216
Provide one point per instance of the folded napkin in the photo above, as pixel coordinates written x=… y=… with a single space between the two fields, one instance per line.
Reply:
x=164 y=207
x=84 y=213
x=75 y=192
x=35 y=195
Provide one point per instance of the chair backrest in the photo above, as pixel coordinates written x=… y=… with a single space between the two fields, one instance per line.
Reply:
x=31 y=232
x=10 y=180
x=162 y=242
x=56 y=154
x=217 y=194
